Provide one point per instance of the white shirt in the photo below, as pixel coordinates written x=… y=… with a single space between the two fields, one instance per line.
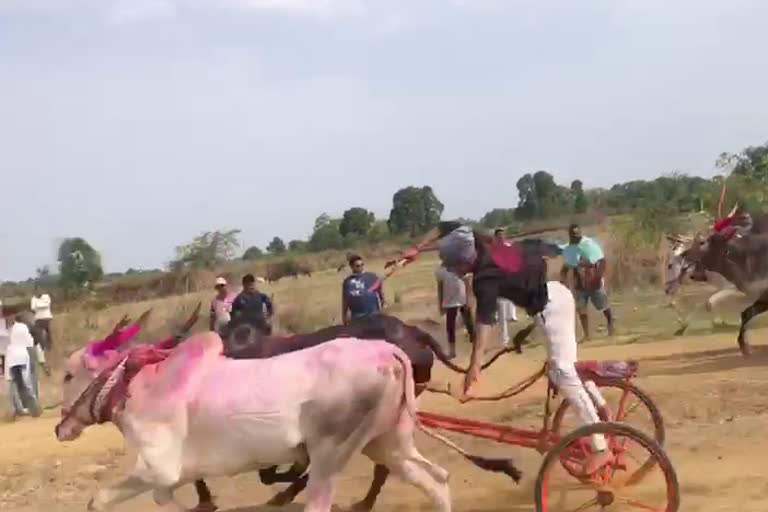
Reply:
x=5 y=336
x=16 y=354
x=454 y=290
x=42 y=307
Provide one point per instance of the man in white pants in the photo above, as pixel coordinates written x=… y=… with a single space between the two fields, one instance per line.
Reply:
x=506 y=310
x=19 y=370
x=518 y=272
x=559 y=323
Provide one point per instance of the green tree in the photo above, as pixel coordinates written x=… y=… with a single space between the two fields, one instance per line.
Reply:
x=326 y=236
x=379 y=231
x=252 y=253
x=297 y=246
x=356 y=221
x=751 y=162
x=276 y=246
x=322 y=220
x=414 y=211
x=208 y=250
x=42 y=273
x=498 y=217
x=580 y=202
x=527 y=206
x=79 y=264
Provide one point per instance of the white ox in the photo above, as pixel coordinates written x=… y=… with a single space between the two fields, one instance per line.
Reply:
x=192 y=413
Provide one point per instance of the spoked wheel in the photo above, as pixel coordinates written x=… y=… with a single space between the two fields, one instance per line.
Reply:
x=640 y=476
x=637 y=409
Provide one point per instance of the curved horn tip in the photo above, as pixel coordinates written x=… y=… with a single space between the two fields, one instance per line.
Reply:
x=144 y=316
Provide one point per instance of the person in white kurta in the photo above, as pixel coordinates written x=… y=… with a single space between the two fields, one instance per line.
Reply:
x=18 y=370
x=41 y=307
x=5 y=338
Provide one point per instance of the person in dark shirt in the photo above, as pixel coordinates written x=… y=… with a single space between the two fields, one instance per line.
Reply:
x=252 y=307
x=516 y=272
x=357 y=299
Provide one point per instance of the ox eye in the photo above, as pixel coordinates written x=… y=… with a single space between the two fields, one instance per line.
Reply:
x=68 y=377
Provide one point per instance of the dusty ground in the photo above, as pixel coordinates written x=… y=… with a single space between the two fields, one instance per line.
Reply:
x=715 y=404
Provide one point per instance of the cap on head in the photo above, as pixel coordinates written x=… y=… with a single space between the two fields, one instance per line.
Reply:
x=220 y=281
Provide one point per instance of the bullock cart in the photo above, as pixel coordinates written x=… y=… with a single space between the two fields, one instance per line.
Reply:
x=629 y=483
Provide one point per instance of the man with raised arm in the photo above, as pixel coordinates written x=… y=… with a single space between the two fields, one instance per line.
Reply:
x=518 y=272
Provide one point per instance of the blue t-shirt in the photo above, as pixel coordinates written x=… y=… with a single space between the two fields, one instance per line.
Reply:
x=361 y=301
x=587 y=249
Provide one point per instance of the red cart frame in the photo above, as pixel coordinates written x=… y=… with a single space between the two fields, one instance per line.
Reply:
x=566 y=448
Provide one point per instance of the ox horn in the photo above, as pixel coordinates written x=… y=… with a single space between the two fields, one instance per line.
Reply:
x=121 y=323
x=121 y=334
x=142 y=320
x=191 y=321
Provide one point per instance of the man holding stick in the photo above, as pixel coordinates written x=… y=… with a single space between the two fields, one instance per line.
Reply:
x=518 y=272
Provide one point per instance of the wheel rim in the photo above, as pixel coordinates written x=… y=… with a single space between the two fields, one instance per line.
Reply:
x=638 y=411
x=631 y=483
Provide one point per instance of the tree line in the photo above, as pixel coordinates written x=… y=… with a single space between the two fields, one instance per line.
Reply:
x=417 y=209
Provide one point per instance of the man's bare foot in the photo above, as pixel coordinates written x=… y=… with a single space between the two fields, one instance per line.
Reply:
x=596 y=461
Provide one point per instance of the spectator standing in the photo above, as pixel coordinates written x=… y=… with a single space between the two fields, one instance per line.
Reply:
x=221 y=305
x=584 y=259
x=452 y=300
x=357 y=299
x=19 y=369
x=5 y=338
x=252 y=307
x=41 y=307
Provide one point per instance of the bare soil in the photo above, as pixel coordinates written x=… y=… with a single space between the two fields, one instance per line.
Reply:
x=714 y=401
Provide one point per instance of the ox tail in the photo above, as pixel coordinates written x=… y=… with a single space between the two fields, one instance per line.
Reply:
x=496 y=465
x=433 y=345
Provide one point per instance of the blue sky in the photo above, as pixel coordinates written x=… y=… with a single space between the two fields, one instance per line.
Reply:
x=137 y=124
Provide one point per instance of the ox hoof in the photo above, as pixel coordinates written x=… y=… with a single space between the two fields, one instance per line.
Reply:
x=361 y=506
x=92 y=505
x=280 y=499
x=205 y=507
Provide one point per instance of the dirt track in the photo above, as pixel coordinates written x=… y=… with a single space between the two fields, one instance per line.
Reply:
x=715 y=404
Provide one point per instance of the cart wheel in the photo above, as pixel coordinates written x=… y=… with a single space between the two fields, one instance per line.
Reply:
x=646 y=481
x=638 y=409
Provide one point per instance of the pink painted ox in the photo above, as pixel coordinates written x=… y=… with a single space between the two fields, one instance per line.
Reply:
x=191 y=413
